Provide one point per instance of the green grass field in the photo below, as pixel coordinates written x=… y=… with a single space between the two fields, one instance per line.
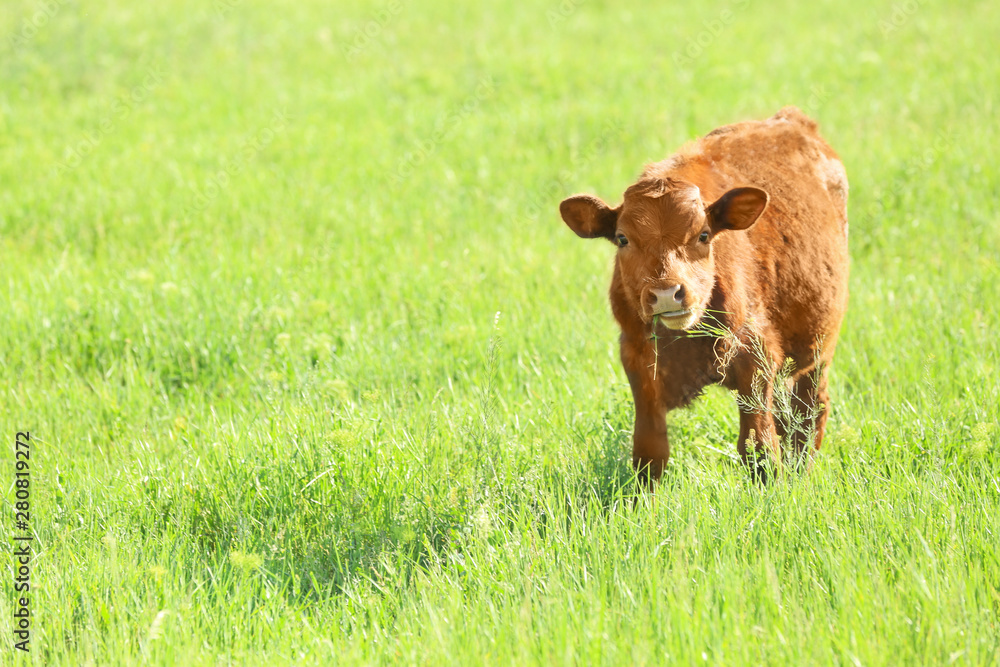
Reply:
x=315 y=374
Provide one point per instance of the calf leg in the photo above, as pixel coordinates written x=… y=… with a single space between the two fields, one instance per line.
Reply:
x=812 y=405
x=650 y=447
x=759 y=444
x=659 y=384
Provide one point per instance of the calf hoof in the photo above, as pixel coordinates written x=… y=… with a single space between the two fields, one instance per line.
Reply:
x=763 y=469
x=648 y=471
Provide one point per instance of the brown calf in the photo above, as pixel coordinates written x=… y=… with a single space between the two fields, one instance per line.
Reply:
x=742 y=231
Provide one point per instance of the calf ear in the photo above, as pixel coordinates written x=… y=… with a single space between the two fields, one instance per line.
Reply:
x=589 y=217
x=737 y=209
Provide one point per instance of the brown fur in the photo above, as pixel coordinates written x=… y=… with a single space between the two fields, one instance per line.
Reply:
x=772 y=196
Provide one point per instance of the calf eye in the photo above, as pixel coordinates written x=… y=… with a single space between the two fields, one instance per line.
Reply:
x=621 y=241
x=704 y=237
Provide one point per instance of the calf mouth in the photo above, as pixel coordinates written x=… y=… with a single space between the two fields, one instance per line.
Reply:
x=673 y=313
x=678 y=320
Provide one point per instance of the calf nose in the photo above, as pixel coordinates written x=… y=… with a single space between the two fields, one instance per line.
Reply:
x=666 y=300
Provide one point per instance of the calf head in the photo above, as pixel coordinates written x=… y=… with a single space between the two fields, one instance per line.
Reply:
x=665 y=232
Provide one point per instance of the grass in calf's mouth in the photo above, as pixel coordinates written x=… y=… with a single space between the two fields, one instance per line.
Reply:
x=656 y=344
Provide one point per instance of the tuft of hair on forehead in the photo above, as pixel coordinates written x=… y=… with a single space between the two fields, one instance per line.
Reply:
x=654 y=187
x=648 y=186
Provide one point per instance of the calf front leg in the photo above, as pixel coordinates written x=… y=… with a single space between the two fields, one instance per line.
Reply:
x=813 y=404
x=650 y=447
x=759 y=444
x=660 y=384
